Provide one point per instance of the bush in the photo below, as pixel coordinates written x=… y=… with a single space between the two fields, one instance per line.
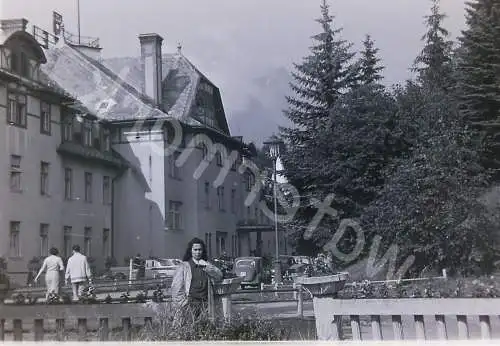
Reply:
x=187 y=328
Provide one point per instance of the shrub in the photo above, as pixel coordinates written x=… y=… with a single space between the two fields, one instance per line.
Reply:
x=187 y=328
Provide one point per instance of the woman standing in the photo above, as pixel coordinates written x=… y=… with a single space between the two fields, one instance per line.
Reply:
x=52 y=265
x=192 y=277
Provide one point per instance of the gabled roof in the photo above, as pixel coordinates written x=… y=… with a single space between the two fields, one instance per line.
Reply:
x=112 y=88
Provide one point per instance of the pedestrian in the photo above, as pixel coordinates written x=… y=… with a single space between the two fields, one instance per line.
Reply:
x=78 y=272
x=52 y=266
x=192 y=279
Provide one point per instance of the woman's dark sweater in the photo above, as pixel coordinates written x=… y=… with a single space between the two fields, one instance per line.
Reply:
x=199 y=282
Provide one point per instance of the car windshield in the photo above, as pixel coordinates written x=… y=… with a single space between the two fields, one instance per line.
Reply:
x=245 y=263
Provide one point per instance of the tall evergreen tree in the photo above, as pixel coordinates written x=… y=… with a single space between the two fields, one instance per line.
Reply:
x=369 y=63
x=433 y=64
x=322 y=76
x=319 y=81
x=479 y=74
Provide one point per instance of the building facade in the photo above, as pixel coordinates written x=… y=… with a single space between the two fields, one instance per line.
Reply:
x=122 y=156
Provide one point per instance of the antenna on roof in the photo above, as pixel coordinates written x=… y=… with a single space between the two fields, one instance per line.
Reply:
x=179 y=48
x=78 y=12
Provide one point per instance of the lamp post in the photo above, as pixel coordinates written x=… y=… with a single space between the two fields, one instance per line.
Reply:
x=274 y=151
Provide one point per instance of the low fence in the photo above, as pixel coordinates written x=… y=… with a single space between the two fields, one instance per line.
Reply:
x=336 y=319
x=101 y=314
x=330 y=314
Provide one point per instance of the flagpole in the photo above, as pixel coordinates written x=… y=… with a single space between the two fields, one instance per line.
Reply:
x=78 y=11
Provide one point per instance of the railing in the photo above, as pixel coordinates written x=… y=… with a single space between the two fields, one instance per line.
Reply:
x=99 y=314
x=336 y=319
x=331 y=312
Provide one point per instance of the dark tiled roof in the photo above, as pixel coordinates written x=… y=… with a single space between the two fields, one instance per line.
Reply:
x=112 y=88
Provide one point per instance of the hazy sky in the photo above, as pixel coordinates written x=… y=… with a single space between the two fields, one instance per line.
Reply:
x=232 y=41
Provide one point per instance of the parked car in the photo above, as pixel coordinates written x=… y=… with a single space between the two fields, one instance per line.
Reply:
x=162 y=267
x=154 y=268
x=251 y=269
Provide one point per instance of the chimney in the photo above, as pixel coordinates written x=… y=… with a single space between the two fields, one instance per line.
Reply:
x=151 y=65
x=10 y=26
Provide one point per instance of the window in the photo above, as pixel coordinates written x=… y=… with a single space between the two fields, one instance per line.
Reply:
x=174 y=170
x=14 y=62
x=220 y=197
x=44 y=178
x=14 y=248
x=106 y=140
x=256 y=215
x=106 y=190
x=106 y=243
x=88 y=187
x=15 y=173
x=87 y=133
x=25 y=65
x=87 y=241
x=233 y=201
x=67 y=128
x=67 y=239
x=222 y=245
x=174 y=215
x=249 y=214
x=207 y=195
x=234 y=166
x=44 y=239
x=45 y=118
x=218 y=157
x=68 y=184
x=16 y=110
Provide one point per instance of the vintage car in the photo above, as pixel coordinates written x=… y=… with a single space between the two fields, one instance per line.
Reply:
x=251 y=269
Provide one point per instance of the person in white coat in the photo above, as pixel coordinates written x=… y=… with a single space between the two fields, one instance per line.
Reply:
x=78 y=272
x=52 y=266
x=192 y=278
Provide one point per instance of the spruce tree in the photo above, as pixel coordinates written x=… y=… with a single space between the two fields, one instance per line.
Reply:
x=369 y=63
x=479 y=76
x=318 y=82
x=433 y=64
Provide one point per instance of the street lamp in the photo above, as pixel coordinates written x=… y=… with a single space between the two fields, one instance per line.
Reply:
x=274 y=152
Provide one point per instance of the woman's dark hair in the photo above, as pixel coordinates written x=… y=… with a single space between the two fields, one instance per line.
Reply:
x=188 y=254
x=54 y=251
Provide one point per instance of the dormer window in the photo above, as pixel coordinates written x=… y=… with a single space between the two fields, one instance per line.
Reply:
x=106 y=140
x=14 y=62
x=20 y=64
x=87 y=133
x=68 y=128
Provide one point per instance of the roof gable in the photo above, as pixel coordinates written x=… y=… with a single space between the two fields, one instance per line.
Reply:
x=113 y=88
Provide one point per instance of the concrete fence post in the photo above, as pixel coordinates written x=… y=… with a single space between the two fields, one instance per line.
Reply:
x=300 y=302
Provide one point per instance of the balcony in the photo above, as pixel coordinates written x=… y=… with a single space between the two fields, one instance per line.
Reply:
x=77 y=150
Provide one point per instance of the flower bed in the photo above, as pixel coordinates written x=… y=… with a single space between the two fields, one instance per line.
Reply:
x=481 y=287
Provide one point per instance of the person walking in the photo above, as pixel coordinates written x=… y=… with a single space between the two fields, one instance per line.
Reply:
x=192 y=278
x=78 y=272
x=52 y=266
